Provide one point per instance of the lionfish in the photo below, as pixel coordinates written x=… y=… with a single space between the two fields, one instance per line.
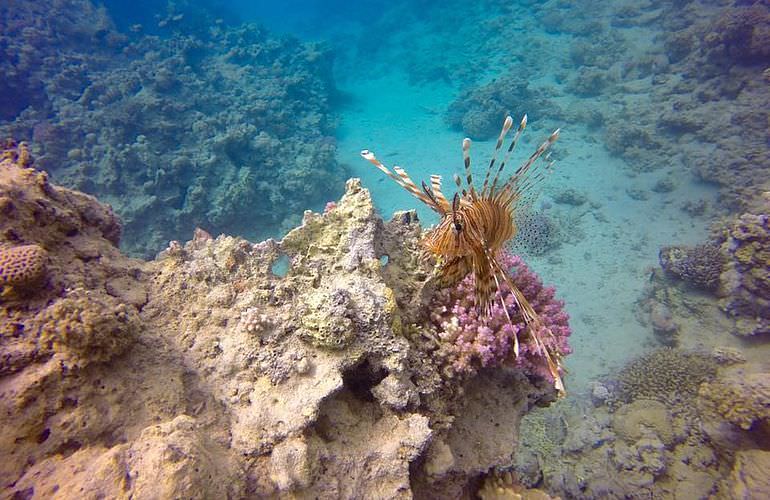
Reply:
x=476 y=225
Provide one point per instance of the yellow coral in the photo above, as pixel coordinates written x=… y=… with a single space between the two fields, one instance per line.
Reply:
x=503 y=486
x=745 y=254
x=741 y=400
x=21 y=267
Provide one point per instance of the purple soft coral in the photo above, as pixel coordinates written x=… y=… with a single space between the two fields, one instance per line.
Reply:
x=472 y=342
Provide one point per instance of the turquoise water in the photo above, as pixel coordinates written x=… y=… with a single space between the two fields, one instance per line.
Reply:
x=599 y=274
x=637 y=107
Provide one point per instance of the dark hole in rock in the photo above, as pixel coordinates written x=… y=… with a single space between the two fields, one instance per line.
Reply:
x=361 y=378
x=24 y=494
x=68 y=448
x=281 y=266
x=43 y=436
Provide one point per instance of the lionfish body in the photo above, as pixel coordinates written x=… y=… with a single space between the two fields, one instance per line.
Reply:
x=476 y=225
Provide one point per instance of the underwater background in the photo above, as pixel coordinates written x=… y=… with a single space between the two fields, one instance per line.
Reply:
x=236 y=117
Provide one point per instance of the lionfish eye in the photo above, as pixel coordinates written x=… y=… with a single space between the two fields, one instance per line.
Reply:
x=458 y=227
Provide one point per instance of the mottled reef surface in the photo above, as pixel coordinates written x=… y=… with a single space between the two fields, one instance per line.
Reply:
x=205 y=374
x=197 y=128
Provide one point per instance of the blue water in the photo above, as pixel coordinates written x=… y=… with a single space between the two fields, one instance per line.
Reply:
x=593 y=69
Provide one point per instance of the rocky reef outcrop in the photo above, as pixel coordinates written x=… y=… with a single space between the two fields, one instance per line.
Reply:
x=228 y=369
x=746 y=243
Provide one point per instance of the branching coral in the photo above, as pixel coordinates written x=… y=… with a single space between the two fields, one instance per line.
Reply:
x=667 y=375
x=470 y=342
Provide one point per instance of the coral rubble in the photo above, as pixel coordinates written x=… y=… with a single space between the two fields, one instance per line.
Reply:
x=210 y=373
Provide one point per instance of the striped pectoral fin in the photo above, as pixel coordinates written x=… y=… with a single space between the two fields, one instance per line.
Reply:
x=519 y=183
x=467 y=166
x=522 y=126
x=454 y=270
x=402 y=179
x=505 y=309
x=485 y=289
x=484 y=272
x=536 y=326
x=435 y=184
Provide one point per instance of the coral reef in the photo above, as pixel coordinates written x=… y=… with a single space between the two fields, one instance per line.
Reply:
x=741 y=35
x=478 y=111
x=470 y=342
x=78 y=33
x=654 y=446
x=747 y=275
x=741 y=399
x=21 y=267
x=699 y=266
x=195 y=130
x=206 y=373
x=671 y=376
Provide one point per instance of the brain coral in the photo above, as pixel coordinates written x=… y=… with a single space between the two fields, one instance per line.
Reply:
x=671 y=376
x=470 y=342
x=699 y=266
x=22 y=267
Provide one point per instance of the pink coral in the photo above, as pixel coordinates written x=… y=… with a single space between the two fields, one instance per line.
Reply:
x=472 y=342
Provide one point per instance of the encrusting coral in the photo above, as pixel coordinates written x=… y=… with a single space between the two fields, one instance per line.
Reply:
x=86 y=328
x=739 y=398
x=747 y=276
x=503 y=486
